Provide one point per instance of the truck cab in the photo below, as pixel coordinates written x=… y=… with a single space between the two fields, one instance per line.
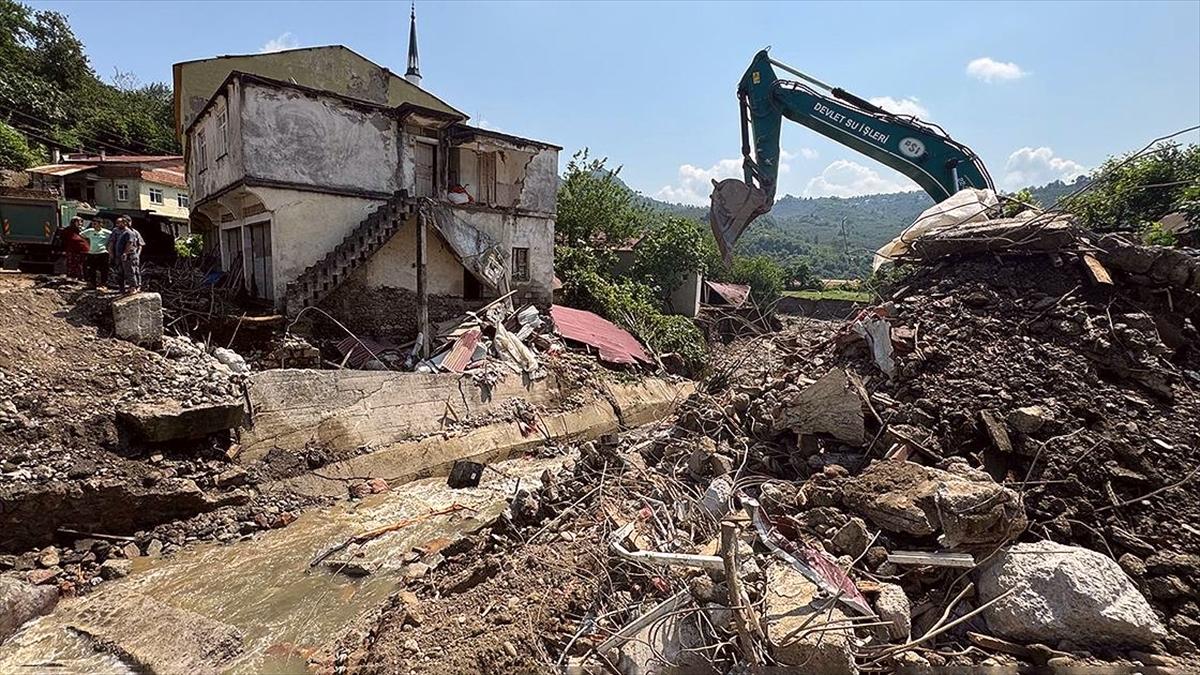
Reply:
x=29 y=223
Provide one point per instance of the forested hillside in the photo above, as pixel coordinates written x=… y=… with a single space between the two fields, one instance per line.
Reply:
x=51 y=96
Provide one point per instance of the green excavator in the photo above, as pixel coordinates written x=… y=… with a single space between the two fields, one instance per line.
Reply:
x=919 y=150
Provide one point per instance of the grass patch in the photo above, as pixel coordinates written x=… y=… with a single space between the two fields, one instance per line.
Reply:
x=831 y=294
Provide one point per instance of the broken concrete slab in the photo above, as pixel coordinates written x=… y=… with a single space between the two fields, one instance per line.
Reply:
x=919 y=500
x=807 y=631
x=132 y=625
x=1002 y=234
x=831 y=405
x=892 y=605
x=21 y=602
x=138 y=319
x=159 y=422
x=1065 y=593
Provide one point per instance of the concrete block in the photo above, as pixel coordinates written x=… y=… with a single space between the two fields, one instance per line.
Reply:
x=20 y=602
x=158 y=422
x=138 y=319
x=808 y=631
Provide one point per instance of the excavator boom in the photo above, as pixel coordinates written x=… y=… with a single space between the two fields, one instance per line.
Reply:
x=921 y=151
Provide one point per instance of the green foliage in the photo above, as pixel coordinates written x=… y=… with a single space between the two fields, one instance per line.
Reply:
x=189 y=246
x=1153 y=234
x=49 y=91
x=1022 y=200
x=668 y=252
x=764 y=276
x=1128 y=192
x=798 y=275
x=596 y=210
x=15 y=153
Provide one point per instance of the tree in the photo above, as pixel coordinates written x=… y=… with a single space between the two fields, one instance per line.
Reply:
x=1127 y=192
x=15 y=153
x=594 y=207
x=668 y=252
x=763 y=275
x=1022 y=200
x=799 y=275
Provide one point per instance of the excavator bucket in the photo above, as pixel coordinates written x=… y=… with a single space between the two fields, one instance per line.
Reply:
x=734 y=204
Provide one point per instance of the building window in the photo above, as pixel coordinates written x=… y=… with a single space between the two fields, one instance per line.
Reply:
x=156 y=195
x=520 y=264
x=223 y=133
x=122 y=192
x=183 y=200
x=201 y=152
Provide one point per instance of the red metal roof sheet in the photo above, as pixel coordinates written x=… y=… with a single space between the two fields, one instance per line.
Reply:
x=60 y=169
x=462 y=351
x=734 y=294
x=615 y=344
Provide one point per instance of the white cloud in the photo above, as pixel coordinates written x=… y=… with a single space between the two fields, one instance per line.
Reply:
x=284 y=41
x=695 y=183
x=844 y=178
x=909 y=105
x=1038 y=166
x=808 y=153
x=990 y=70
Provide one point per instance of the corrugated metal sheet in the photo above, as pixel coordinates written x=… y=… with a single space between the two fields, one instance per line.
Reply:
x=60 y=169
x=462 y=351
x=734 y=294
x=614 y=343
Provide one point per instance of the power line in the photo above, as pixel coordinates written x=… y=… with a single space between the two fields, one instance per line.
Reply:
x=7 y=105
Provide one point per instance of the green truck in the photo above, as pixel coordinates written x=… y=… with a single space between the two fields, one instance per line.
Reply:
x=29 y=221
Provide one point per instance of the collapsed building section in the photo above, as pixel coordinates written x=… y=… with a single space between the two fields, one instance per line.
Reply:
x=320 y=199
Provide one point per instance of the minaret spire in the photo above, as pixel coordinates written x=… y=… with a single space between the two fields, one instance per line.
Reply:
x=413 y=74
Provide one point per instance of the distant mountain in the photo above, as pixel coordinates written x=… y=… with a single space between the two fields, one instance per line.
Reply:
x=837 y=236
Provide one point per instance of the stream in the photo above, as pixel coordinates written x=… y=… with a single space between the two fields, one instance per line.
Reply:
x=263 y=587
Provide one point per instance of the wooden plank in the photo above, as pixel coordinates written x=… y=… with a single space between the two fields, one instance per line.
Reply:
x=1097 y=270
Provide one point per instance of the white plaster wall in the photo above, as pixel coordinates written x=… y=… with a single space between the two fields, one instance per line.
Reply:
x=325 y=142
x=219 y=171
x=536 y=234
x=540 y=191
x=307 y=225
x=685 y=298
x=395 y=264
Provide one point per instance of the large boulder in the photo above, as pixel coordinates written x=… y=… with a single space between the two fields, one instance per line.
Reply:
x=159 y=422
x=138 y=318
x=965 y=505
x=20 y=602
x=1065 y=593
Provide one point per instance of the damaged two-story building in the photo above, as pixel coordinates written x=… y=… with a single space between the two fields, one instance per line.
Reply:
x=315 y=190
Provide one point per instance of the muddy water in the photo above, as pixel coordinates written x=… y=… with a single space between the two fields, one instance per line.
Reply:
x=264 y=586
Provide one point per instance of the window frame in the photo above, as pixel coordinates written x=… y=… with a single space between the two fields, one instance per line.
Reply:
x=122 y=192
x=162 y=195
x=519 y=270
x=201 y=152
x=183 y=200
x=223 y=128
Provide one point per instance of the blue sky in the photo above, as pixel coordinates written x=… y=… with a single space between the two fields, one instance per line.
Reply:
x=1039 y=90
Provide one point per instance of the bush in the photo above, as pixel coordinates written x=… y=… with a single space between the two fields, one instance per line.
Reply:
x=764 y=276
x=1014 y=204
x=15 y=152
x=1127 y=193
x=1153 y=234
x=189 y=246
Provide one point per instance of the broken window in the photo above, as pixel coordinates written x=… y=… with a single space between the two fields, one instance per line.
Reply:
x=201 y=152
x=520 y=264
x=487 y=177
x=426 y=158
x=260 y=282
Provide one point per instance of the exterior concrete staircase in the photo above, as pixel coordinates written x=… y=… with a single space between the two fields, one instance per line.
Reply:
x=319 y=280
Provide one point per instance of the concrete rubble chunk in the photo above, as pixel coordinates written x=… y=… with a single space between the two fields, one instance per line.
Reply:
x=138 y=319
x=1029 y=419
x=892 y=605
x=158 y=422
x=20 y=602
x=831 y=405
x=967 y=507
x=791 y=603
x=1065 y=593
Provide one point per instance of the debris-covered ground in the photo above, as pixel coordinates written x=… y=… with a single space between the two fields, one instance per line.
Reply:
x=1017 y=493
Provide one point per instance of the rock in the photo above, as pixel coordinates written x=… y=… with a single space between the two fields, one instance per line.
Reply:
x=39 y=577
x=20 y=602
x=116 y=568
x=831 y=405
x=919 y=500
x=235 y=475
x=83 y=468
x=378 y=485
x=1132 y=565
x=131 y=550
x=48 y=557
x=1168 y=588
x=138 y=319
x=892 y=605
x=359 y=490
x=161 y=422
x=231 y=359
x=414 y=571
x=852 y=539
x=790 y=605
x=1065 y=593
x=154 y=548
x=715 y=501
x=1030 y=419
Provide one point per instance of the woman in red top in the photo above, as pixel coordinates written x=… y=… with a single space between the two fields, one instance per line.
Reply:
x=77 y=248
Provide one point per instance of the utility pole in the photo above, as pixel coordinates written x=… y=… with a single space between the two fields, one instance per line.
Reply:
x=423 y=337
x=845 y=241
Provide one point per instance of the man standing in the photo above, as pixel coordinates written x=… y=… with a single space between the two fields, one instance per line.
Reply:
x=98 y=259
x=76 y=247
x=127 y=250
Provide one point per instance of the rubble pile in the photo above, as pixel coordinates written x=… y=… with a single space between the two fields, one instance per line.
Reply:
x=991 y=469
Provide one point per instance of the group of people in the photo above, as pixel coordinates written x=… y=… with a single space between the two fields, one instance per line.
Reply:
x=92 y=251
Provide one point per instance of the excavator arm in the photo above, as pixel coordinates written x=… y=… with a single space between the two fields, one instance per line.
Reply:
x=919 y=150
